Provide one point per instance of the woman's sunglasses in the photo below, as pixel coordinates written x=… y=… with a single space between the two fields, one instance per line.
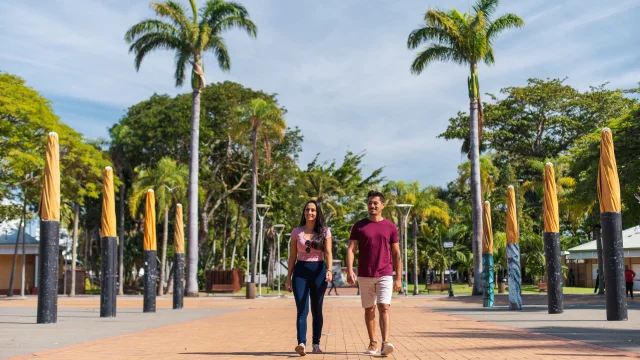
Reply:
x=308 y=245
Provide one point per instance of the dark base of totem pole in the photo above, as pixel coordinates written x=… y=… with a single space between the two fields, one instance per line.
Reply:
x=554 y=272
x=150 y=277
x=178 y=280
x=108 y=290
x=613 y=261
x=48 y=267
x=251 y=290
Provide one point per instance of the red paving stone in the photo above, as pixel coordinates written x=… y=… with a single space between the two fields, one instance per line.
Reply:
x=265 y=329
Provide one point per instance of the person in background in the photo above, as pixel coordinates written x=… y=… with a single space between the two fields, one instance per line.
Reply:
x=333 y=284
x=629 y=275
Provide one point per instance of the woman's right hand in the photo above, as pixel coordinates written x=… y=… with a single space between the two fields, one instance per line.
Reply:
x=288 y=285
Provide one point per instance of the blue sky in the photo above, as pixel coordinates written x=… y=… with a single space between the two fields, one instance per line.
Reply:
x=340 y=67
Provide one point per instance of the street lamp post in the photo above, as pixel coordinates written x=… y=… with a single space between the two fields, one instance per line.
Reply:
x=279 y=229
x=404 y=210
x=262 y=212
x=449 y=245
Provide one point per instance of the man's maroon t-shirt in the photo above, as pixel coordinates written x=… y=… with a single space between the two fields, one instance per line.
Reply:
x=374 y=241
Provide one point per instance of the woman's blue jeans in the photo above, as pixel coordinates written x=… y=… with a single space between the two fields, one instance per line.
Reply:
x=308 y=281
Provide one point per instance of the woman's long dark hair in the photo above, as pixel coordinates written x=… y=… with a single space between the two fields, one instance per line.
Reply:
x=318 y=242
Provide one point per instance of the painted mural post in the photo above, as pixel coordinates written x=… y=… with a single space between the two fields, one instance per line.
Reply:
x=150 y=254
x=178 y=260
x=487 y=257
x=109 y=246
x=513 y=253
x=551 y=237
x=611 y=222
x=49 y=234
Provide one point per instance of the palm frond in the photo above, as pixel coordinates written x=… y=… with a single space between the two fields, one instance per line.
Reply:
x=503 y=23
x=182 y=58
x=436 y=53
x=149 y=26
x=488 y=7
x=441 y=20
x=174 y=11
x=224 y=15
x=238 y=22
x=216 y=43
x=426 y=33
x=153 y=41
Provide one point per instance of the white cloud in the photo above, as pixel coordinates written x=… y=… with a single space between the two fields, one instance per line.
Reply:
x=340 y=67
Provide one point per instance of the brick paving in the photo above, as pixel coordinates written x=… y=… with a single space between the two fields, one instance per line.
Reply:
x=265 y=329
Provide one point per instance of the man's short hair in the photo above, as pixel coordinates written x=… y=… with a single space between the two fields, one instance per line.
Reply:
x=374 y=193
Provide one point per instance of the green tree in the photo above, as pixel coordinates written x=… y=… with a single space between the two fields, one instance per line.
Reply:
x=264 y=121
x=585 y=157
x=465 y=39
x=168 y=181
x=190 y=36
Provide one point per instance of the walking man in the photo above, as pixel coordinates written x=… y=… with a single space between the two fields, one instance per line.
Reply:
x=379 y=253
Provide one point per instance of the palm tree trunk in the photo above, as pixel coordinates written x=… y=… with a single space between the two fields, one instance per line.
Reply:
x=15 y=252
x=192 y=194
x=476 y=201
x=121 y=236
x=235 y=236
x=169 y=289
x=224 y=235
x=254 y=189
x=163 y=260
x=74 y=248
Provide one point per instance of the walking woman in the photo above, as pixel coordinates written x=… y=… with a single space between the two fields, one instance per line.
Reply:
x=308 y=273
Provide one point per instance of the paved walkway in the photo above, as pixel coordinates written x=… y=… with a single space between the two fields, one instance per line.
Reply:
x=425 y=327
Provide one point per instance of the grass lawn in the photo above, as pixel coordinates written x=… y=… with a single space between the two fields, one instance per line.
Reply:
x=464 y=289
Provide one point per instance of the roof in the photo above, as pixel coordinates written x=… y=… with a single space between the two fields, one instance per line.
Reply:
x=630 y=240
x=9 y=238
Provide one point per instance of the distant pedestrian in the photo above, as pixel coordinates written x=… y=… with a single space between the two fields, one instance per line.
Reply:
x=595 y=290
x=333 y=284
x=628 y=278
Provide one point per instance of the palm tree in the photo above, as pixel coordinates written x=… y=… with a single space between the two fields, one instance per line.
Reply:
x=465 y=39
x=168 y=181
x=265 y=121
x=190 y=36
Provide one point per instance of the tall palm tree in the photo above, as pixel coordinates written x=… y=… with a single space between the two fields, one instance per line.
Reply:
x=465 y=39
x=190 y=36
x=265 y=121
x=168 y=181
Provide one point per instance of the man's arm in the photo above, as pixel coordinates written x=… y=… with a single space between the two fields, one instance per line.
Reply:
x=351 y=250
x=397 y=264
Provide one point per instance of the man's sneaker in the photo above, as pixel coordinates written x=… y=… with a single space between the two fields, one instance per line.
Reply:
x=316 y=349
x=301 y=349
x=372 y=349
x=387 y=348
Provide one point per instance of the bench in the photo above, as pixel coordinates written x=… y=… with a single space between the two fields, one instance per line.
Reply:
x=223 y=280
x=542 y=287
x=437 y=287
x=222 y=287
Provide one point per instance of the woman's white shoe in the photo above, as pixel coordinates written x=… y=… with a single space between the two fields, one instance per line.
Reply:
x=301 y=349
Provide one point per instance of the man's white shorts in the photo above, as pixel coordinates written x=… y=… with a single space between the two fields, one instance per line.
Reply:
x=375 y=290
